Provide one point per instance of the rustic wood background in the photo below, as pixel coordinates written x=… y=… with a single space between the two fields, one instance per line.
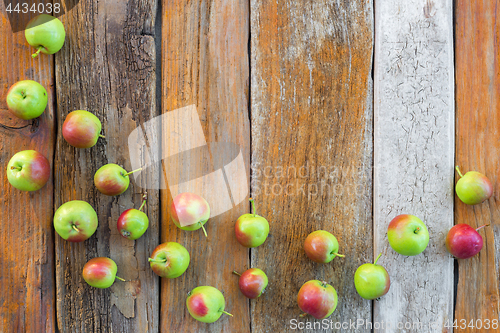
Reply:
x=347 y=113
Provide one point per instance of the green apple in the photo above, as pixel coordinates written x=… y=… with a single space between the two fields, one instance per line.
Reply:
x=28 y=170
x=27 y=99
x=81 y=129
x=75 y=221
x=408 y=235
x=169 y=260
x=252 y=282
x=190 y=212
x=100 y=272
x=45 y=33
x=473 y=188
x=251 y=229
x=133 y=223
x=317 y=298
x=111 y=179
x=206 y=304
x=321 y=246
x=371 y=280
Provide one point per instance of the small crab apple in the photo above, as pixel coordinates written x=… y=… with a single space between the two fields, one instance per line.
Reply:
x=133 y=223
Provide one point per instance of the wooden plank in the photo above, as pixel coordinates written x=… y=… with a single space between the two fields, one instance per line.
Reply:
x=311 y=149
x=205 y=69
x=108 y=68
x=413 y=147
x=27 y=295
x=477 y=37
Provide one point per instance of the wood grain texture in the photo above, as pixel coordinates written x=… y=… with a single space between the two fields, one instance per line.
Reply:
x=413 y=147
x=27 y=292
x=107 y=67
x=311 y=149
x=477 y=59
x=205 y=64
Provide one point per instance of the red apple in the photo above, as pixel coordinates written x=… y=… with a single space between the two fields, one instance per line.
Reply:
x=317 y=298
x=81 y=129
x=100 y=272
x=189 y=211
x=321 y=246
x=463 y=241
x=252 y=282
x=133 y=223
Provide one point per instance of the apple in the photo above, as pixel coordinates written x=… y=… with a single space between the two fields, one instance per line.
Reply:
x=133 y=223
x=45 y=33
x=28 y=170
x=321 y=246
x=408 y=235
x=317 y=298
x=100 y=272
x=75 y=221
x=169 y=260
x=111 y=179
x=81 y=129
x=252 y=282
x=251 y=229
x=371 y=280
x=206 y=304
x=189 y=211
x=473 y=188
x=463 y=241
x=27 y=99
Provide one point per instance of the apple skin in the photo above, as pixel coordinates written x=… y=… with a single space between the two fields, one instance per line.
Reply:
x=173 y=260
x=189 y=211
x=463 y=241
x=27 y=99
x=111 y=179
x=408 y=235
x=81 y=129
x=132 y=223
x=34 y=172
x=321 y=246
x=317 y=298
x=473 y=188
x=100 y=272
x=75 y=214
x=253 y=282
x=371 y=280
x=251 y=230
x=206 y=304
x=45 y=33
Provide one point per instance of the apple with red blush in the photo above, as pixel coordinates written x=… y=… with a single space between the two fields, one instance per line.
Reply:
x=100 y=272
x=206 y=304
x=317 y=298
x=133 y=223
x=252 y=282
x=463 y=241
x=28 y=170
x=321 y=246
x=251 y=230
x=189 y=211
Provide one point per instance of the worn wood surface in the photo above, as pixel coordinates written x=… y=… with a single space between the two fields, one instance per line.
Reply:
x=413 y=148
x=477 y=39
x=205 y=67
x=27 y=292
x=311 y=149
x=107 y=67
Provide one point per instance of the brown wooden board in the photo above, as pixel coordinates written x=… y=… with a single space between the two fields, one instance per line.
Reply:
x=477 y=77
x=107 y=67
x=27 y=292
x=311 y=113
x=205 y=66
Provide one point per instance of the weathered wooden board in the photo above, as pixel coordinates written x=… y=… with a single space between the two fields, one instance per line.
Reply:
x=205 y=67
x=477 y=37
x=311 y=149
x=27 y=292
x=413 y=148
x=107 y=67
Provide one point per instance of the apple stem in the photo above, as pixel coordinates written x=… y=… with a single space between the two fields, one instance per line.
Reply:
x=303 y=315
x=253 y=206
x=157 y=260
x=102 y=136
x=486 y=225
x=235 y=272
x=143 y=203
x=14 y=167
x=458 y=170
x=37 y=52
x=131 y=172
x=204 y=231
x=73 y=226
x=378 y=257
x=416 y=230
x=323 y=284
x=340 y=255
x=227 y=313
x=119 y=278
